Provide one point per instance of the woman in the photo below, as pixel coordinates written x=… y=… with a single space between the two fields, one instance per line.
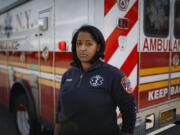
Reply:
x=91 y=90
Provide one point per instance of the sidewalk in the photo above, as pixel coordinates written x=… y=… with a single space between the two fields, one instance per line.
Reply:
x=7 y=126
x=172 y=131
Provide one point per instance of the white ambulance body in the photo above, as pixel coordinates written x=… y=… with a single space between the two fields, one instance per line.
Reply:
x=142 y=39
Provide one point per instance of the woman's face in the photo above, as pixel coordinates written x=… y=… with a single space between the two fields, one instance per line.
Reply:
x=86 y=47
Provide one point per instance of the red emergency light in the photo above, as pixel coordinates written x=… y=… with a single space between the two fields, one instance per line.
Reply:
x=62 y=45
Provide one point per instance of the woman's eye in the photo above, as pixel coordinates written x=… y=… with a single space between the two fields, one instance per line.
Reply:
x=78 y=44
x=89 y=44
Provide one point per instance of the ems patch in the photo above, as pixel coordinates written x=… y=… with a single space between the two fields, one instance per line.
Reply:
x=96 y=80
x=127 y=85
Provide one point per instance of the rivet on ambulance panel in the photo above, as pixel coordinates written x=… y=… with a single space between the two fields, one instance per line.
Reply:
x=62 y=45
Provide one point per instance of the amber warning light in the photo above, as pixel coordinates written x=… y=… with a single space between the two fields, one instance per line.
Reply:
x=123 y=23
x=62 y=45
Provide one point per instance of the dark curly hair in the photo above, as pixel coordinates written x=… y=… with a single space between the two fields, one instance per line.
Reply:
x=96 y=35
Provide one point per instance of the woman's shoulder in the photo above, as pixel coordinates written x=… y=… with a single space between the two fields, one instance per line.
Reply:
x=112 y=70
x=71 y=70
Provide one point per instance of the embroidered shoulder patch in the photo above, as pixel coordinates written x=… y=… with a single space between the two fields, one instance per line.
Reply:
x=127 y=85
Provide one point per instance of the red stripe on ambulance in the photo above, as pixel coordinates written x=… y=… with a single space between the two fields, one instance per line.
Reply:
x=112 y=42
x=130 y=62
x=108 y=4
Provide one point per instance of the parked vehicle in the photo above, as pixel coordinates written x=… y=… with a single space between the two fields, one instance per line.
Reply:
x=142 y=39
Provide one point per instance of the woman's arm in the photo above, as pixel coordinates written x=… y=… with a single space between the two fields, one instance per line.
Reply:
x=126 y=103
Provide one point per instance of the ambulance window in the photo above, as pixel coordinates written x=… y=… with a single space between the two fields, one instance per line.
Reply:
x=6 y=5
x=177 y=19
x=156 y=18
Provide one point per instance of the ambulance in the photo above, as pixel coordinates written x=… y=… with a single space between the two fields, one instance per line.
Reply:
x=142 y=39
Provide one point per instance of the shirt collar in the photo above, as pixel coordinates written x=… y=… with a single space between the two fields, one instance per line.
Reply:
x=96 y=64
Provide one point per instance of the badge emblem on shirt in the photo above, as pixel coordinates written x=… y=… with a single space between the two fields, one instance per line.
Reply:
x=96 y=80
x=127 y=85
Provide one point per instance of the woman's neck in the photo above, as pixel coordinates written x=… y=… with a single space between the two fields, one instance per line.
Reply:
x=86 y=66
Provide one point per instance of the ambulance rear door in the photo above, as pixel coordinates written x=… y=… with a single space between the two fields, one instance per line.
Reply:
x=175 y=51
x=154 y=52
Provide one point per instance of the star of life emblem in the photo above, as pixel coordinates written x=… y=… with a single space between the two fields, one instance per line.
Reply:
x=123 y=4
x=96 y=80
x=127 y=85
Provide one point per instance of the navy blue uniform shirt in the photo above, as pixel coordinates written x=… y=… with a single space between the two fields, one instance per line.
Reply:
x=88 y=102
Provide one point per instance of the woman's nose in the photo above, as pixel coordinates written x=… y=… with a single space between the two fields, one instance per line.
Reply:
x=83 y=47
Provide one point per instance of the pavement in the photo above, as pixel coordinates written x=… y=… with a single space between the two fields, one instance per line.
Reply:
x=172 y=131
x=7 y=126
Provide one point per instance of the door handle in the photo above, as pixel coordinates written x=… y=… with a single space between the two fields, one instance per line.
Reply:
x=45 y=53
x=40 y=34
